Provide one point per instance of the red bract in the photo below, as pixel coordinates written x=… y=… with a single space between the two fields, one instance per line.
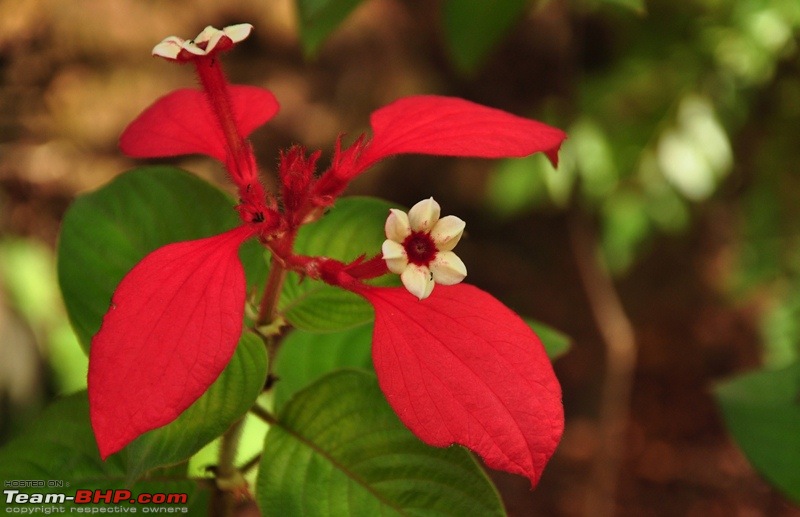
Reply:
x=444 y=126
x=460 y=367
x=447 y=126
x=183 y=122
x=173 y=325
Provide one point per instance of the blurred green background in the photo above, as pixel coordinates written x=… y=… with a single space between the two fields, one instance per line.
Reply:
x=680 y=181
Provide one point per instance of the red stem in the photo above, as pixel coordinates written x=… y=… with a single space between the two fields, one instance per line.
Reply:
x=240 y=162
x=216 y=88
x=269 y=302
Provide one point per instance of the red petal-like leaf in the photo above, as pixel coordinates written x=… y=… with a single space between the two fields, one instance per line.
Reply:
x=460 y=367
x=430 y=124
x=182 y=122
x=173 y=325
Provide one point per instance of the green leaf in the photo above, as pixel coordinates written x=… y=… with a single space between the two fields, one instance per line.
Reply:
x=28 y=279
x=637 y=6
x=555 y=342
x=472 y=28
x=26 y=269
x=106 y=232
x=60 y=446
x=762 y=411
x=304 y=357
x=780 y=328
x=516 y=186
x=352 y=228
x=319 y=18
x=227 y=400
x=594 y=158
x=625 y=227
x=338 y=449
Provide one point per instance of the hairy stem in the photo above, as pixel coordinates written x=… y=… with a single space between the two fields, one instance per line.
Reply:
x=226 y=466
x=227 y=474
x=268 y=315
x=620 y=343
x=215 y=85
x=268 y=308
x=229 y=477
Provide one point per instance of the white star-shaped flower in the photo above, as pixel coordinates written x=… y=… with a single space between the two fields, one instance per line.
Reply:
x=419 y=245
x=209 y=41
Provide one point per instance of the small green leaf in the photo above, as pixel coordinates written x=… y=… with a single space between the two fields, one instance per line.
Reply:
x=304 y=357
x=227 y=400
x=338 y=449
x=60 y=446
x=352 y=228
x=106 y=232
x=519 y=184
x=319 y=18
x=555 y=342
x=637 y=6
x=473 y=28
x=515 y=186
x=762 y=411
x=317 y=307
x=780 y=328
x=625 y=227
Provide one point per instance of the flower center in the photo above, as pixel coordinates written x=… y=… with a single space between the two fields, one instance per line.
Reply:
x=420 y=248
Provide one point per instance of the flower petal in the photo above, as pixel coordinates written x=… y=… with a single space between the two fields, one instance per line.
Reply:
x=418 y=280
x=182 y=122
x=211 y=39
x=395 y=256
x=447 y=232
x=462 y=368
x=430 y=124
x=169 y=48
x=424 y=215
x=238 y=32
x=397 y=226
x=173 y=325
x=447 y=268
x=210 y=36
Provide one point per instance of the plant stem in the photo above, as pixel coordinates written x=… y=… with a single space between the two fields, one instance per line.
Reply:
x=239 y=164
x=620 y=341
x=228 y=448
x=263 y=414
x=268 y=308
x=227 y=472
x=268 y=314
x=251 y=464
x=222 y=502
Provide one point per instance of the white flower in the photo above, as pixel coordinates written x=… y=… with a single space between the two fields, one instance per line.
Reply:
x=206 y=42
x=418 y=247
